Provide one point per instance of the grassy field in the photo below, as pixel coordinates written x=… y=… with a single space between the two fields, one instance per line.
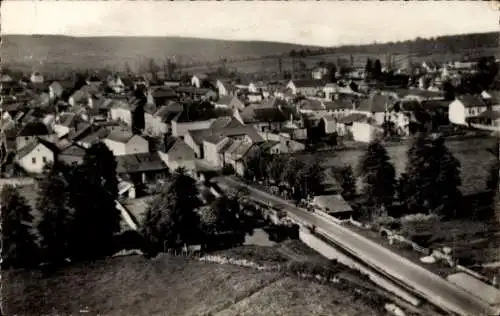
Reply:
x=172 y=286
x=472 y=153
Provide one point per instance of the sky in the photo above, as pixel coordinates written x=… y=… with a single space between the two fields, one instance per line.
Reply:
x=323 y=23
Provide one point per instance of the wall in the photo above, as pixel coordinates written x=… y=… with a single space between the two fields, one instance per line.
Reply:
x=456 y=113
x=38 y=153
x=180 y=129
x=331 y=253
x=137 y=145
x=362 y=132
x=120 y=114
x=153 y=125
x=117 y=148
x=195 y=147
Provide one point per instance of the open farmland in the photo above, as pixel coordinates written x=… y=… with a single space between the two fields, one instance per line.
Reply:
x=171 y=286
x=472 y=154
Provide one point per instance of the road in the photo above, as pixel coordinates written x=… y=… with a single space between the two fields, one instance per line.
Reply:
x=429 y=285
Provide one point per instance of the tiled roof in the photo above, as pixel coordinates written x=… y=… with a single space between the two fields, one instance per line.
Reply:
x=180 y=150
x=200 y=135
x=28 y=148
x=214 y=138
x=434 y=104
x=469 y=100
x=490 y=114
x=163 y=92
x=225 y=99
x=354 y=117
x=221 y=122
x=120 y=136
x=33 y=129
x=96 y=136
x=140 y=163
x=311 y=104
x=73 y=150
x=303 y=83
x=255 y=114
x=376 y=103
x=338 y=104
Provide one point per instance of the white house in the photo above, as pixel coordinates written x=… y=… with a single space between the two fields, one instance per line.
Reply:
x=197 y=80
x=319 y=72
x=181 y=127
x=36 y=77
x=464 y=107
x=229 y=102
x=121 y=111
x=365 y=132
x=125 y=143
x=116 y=84
x=305 y=87
x=35 y=156
x=212 y=146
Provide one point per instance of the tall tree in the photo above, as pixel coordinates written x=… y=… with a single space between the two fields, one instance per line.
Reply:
x=55 y=226
x=433 y=178
x=369 y=68
x=347 y=182
x=171 y=219
x=93 y=192
x=18 y=243
x=377 y=69
x=378 y=176
x=332 y=70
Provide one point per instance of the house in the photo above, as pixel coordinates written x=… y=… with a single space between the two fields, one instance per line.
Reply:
x=263 y=117
x=29 y=132
x=334 y=205
x=198 y=80
x=430 y=66
x=465 y=107
x=344 y=124
x=35 y=155
x=234 y=154
x=310 y=106
x=181 y=124
x=72 y=155
x=36 y=78
x=124 y=142
x=195 y=138
x=93 y=79
x=179 y=155
x=212 y=148
x=365 y=132
x=90 y=136
x=328 y=124
x=116 y=84
x=340 y=107
x=305 y=87
x=55 y=90
x=197 y=93
x=122 y=111
x=224 y=87
x=157 y=122
x=229 y=102
x=83 y=96
x=254 y=97
x=160 y=95
x=64 y=124
x=376 y=107
x=141 y=167
x=318 y=73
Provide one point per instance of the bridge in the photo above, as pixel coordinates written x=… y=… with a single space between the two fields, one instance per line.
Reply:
x=421 y=281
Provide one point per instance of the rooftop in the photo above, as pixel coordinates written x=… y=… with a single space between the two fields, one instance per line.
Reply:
x=140 y=163
x=469 y=100
x=33 y=129
x=121 y=136
x=334 y=203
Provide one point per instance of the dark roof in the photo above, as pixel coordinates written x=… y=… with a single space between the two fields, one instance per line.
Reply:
x=376 y=103
x=311 y=104
x=435 y=104
x=200 y=135
x=338 y=104
x=193 y=90
x=67 y=119
x=302 y=83
x=163 y=92
x=354 y=117
x=255 y=114
x=469 y=101
x=168 y=112
x=490 y=114
x=33 y=129
x=120 y=136
x=140 y=163
x=73 y=150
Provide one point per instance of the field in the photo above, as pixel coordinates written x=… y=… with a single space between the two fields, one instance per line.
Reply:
x=172 y=286
x=472 y=153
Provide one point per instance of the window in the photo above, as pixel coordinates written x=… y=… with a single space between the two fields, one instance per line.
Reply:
x=33 y=160
x=27 y=138
x=44 y=159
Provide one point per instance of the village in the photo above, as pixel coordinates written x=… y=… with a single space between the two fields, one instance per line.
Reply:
x=218 y=129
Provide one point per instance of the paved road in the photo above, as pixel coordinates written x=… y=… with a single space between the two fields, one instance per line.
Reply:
x=434 y=288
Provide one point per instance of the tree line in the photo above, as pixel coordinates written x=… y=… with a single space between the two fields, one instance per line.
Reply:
x=430 y=182
x=299 y=179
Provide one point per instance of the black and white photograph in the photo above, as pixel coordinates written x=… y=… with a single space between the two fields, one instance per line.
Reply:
x=250 y=158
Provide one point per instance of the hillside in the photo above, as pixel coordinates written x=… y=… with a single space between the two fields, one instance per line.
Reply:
x=62 y=53
x=44 y=51
x=173 y=286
